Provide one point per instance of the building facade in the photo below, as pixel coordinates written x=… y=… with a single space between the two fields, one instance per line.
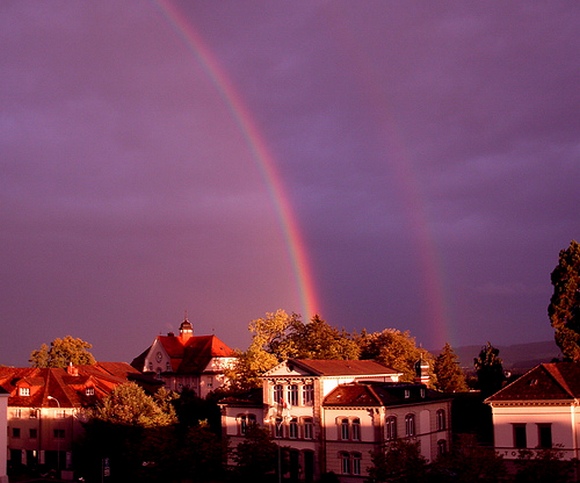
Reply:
x=328 y=415
x=540 y=410
x=43 y=409
x=187 y=361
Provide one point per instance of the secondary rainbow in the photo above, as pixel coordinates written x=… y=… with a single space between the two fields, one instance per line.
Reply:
x=261 y=154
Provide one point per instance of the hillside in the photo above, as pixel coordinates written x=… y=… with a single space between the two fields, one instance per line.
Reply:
x=517 y=358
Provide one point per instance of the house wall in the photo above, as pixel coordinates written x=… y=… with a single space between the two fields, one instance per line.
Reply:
x=564 y=421
x=3 y=436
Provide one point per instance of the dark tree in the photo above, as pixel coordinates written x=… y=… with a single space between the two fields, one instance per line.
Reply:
x=450 y=377
x=489 y=368
x=564 y=308
x=400 y=462
x=257 y=456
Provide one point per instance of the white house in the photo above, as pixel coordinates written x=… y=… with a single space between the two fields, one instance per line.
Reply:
x=187 y=361
x=540 y=410
x=331 y=413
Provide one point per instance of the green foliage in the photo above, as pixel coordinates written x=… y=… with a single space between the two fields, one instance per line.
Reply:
x=62 y=352
x=450 y=377
x=399 y=462
x=257 y=456
x=395 y=349
x=489 y=369
x=129 y=405
x=543 y=465
x=564 y=308
x=468 y=462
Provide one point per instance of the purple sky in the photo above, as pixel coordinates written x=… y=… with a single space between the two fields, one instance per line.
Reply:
x=429 y=150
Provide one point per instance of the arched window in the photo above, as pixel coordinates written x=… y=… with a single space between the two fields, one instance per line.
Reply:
x=278 y=394
x=308 y=428
x=391 y=428
x=356 y=429
x=410 y=425
x=344 y=463
x=293 y=428
x=278 y=428
x=344 y=428
x=245 y=420
x=441 y=420
x=441 y=447
x=355 y=464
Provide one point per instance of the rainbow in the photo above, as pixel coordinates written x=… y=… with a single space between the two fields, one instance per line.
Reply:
x=399 y=159
x=260 y=153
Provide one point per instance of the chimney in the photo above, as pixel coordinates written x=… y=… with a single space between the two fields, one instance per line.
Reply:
x=72 y=370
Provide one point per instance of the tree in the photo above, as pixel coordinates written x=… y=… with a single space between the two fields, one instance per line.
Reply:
x=543 y=465
x=450 y=377
x=395 y=349
x=399 y=462
x=62 y=352
x=489 y=368
x=564 y=308
x=135 y=431
x=129 y=405
x=319 y=340
x=256 y=456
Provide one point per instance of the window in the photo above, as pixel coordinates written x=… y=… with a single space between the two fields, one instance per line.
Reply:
x=345 y=463
x=391 y=427
x=307 y=394
x=16 y=432
x=168 y=367
x=90 y=391
x=33 y=414
x=151 y=366
x=293 y=428
x=545 y=436
x=24 y=391
x=17 y=413
x=409 y=425
x=308 y=428
x=344 y=429
x=293 y=395
x=278 y=428
x=61 y=413
x=407 y=393
x=356 y=429
x=356 y=458
x=58 y=433
x=33 y=433
x=441 y=447
x=245 y=420
x=441 y=421
x=520 y=438
x=278 y=394
x=350 y=463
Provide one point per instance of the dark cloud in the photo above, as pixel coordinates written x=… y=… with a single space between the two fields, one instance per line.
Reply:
x=429 y=152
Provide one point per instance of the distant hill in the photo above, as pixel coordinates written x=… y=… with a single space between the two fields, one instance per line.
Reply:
x=516 y=358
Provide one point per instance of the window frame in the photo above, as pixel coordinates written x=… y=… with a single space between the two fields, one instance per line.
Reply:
x=344 y=429
x=391 y=428
x=520 y=435
x=292 y=394
x=441 y=420
x=308 y=394
x=410 y=429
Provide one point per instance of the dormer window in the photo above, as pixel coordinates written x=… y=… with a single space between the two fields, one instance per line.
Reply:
x=90 y=391
x=24 y=391
x=407 y=393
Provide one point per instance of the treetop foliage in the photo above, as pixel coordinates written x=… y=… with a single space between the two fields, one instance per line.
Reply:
x=450 y=377
x=129 y=405
x=489 y=368
x=280 y=336
x=564 y=308
x=62 y=352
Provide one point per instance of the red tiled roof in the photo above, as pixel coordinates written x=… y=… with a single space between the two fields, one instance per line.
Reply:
x=369 y=393
x=344 y=367
x=550 y=381
x=191 y=356
x=69 y=389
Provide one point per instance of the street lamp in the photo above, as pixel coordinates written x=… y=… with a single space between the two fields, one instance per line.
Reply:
x=51 y=398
